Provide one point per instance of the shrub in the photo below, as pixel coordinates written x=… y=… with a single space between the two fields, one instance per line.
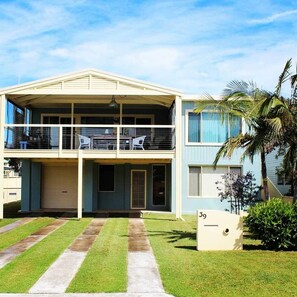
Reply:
x=274 y=223
x=239 y=190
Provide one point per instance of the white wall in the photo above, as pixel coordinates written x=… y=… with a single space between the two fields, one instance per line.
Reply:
x=272 y=163
x=11 y=189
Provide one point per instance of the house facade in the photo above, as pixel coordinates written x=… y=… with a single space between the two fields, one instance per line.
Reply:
x=92 y=141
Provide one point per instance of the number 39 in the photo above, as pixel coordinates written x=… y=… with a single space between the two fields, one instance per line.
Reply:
x=202 y=215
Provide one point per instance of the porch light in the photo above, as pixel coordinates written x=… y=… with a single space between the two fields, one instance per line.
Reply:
x=113 y=102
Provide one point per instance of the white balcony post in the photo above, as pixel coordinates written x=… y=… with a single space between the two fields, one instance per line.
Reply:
x=80 y=184
x=60 y=139
x=72 y=121
x=2 y=122
x=118 y=140
x=178 y=156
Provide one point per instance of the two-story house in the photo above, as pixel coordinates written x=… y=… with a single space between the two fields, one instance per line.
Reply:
x=92 y=141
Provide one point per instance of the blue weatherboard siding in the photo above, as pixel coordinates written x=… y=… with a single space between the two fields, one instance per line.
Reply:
x=204 y=155
x=161 y=114
x=93 y=199
x=26 y=185
x=88 y=186
x=173 y=183
x=114 y=200
x=35 y=185
x=121 y=197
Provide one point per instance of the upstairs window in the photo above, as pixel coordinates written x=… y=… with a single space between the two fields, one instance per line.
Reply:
x=208 y=127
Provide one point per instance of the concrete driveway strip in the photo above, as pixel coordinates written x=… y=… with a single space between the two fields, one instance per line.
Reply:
x=143 y=273
x=59 y=275
x=13 y=251
x=13 y=225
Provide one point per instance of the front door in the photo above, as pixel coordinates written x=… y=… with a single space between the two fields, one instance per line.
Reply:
x=138 y=189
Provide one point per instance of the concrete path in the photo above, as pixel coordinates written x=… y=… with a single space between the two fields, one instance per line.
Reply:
x=13 y=251
x=59 y=275
x=143 y=273
x=13 y=225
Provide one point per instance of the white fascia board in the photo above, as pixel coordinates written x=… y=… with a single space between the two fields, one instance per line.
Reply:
x=78 y=74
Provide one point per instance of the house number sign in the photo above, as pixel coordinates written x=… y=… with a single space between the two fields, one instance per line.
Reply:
x=202 y=215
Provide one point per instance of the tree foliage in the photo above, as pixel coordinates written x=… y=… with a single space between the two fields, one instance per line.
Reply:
x=274 y=223
x=271 y=120
x=239 y=190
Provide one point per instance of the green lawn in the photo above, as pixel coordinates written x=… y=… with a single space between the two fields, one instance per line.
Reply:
x=188 y=272
x=5 y=222
x=105 y=267
x=11 y=213
x=19 y=275
x=10 y=237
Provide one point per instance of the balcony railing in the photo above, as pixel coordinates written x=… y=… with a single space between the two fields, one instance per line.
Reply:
x=93 y=137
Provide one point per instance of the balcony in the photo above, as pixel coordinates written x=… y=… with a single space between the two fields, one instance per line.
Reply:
x=92 y=139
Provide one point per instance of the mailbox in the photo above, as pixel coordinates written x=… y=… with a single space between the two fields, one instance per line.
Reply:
x=219 y=230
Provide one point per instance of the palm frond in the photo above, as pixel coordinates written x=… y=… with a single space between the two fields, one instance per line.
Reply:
x=232 y=143
x=284 y=76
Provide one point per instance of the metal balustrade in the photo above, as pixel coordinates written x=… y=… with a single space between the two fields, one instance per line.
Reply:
x=91 y=137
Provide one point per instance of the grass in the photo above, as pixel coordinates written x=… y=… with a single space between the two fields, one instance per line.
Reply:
x=188 y=272
x=105 y=267
x=19 y=275
x=11 y=210
x=10 y=237
x=5 y=222
x=11 y=213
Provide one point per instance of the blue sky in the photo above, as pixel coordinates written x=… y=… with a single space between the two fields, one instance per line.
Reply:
x=193 y=46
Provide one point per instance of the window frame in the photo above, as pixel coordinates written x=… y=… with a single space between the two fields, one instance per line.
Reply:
x=201 y=143
x=200 y=186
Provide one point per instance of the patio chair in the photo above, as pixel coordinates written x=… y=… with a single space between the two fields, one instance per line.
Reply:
x=137 y=142
x=84 y=142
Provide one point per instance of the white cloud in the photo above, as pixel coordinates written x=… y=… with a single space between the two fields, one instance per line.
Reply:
x=274 y=17
x=182 y=44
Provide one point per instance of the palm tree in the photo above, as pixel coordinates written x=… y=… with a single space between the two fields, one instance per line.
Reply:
x=282 y=113
x=244 y=100
x=265 y=113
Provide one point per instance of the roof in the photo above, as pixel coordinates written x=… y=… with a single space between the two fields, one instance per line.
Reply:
x=88 y=85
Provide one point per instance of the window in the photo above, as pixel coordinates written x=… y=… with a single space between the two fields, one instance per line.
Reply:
x=106 y=178
x=208 y=127
x=203 y=179
x=194 y=181
x=282 y=180
x=159 y=185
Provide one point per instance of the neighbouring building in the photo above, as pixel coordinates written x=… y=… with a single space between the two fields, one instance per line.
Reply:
x=94 y=141
x=11 y=184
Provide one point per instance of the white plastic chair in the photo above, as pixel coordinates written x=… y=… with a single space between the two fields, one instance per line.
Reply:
x=84 y=142
x=137 y=142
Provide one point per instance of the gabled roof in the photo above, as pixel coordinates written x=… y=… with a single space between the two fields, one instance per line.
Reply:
x=86 y=84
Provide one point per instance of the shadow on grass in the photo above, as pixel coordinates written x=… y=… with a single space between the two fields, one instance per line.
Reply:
x=11 y=210
x=160 y=219
x=186 y=247
x=176 y=235
x=253 y=247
